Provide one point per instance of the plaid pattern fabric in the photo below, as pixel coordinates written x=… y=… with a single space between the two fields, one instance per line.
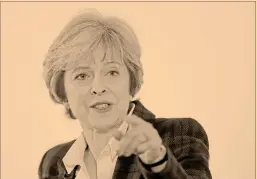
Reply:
x=184 y=138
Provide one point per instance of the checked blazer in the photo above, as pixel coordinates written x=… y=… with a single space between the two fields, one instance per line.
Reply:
x=184 y=138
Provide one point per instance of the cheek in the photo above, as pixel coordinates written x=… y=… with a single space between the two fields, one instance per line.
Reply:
x=76 y=98
x=121 y=89
x=123 y=83
x=121 y=92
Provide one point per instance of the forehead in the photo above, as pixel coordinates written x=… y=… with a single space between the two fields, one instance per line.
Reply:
x=100 y=54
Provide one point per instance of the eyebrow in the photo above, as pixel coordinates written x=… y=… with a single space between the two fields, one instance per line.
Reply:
x=87 y=67
x=80 y=68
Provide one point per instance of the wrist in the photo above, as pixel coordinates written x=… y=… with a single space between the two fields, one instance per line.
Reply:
x=158 y=164
x=153 y=156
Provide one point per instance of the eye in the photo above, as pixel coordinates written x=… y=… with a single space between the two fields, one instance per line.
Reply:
x=82 y=76
x=113 y=73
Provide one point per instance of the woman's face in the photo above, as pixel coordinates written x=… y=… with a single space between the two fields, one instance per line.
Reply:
x=97 y=90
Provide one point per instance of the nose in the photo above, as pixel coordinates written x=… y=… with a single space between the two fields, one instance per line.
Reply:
x=97 y=87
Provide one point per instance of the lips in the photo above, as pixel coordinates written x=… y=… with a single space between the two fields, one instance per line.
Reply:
x=101 y=106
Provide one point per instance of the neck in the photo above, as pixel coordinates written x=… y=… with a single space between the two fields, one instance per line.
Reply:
x=97 y=140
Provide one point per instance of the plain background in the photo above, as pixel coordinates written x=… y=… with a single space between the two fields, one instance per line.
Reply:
x=198 y=60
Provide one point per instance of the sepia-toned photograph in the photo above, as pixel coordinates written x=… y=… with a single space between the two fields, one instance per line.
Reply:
x=128 y=90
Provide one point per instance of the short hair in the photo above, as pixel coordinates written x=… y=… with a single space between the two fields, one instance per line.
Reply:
x=85 y=32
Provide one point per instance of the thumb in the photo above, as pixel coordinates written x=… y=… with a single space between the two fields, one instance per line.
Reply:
x=118 y=135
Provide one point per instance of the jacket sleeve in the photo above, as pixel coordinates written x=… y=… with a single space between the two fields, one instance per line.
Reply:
x=188 y=150
x=48 y=167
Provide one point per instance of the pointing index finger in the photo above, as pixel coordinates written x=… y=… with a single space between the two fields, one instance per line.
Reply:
x=133 y=120
x=128 y=118
x=132 y=109
x=118 y=135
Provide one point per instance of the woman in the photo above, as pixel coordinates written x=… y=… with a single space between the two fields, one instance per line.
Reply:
x=93 y=68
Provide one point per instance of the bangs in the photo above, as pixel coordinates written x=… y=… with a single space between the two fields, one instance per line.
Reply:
x=105 y=44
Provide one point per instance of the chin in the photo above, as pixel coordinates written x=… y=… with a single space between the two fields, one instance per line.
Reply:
x=102 y=129
x=105 y=127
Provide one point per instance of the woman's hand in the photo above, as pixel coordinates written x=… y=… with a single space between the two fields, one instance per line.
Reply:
x=141 y=139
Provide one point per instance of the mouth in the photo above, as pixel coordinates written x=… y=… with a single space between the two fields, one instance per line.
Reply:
x=101 y=106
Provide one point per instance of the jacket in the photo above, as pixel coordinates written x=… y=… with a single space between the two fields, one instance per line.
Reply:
x=184 y=138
